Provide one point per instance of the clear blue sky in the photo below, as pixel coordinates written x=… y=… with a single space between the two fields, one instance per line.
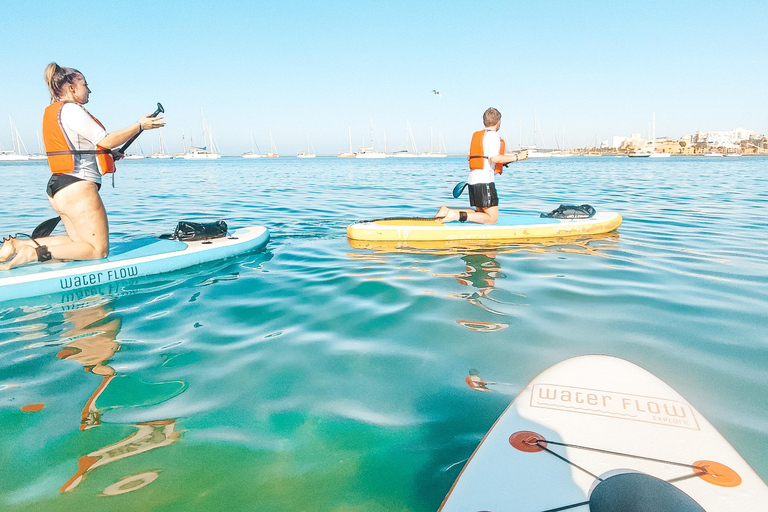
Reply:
x=595 y=69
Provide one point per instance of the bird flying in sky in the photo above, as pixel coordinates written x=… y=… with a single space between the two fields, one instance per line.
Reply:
x=435 y=91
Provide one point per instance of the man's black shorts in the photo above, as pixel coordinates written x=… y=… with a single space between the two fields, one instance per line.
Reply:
x=483 y=195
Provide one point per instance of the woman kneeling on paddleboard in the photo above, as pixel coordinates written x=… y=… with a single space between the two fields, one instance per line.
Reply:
x=486 y=158
x=78 y=149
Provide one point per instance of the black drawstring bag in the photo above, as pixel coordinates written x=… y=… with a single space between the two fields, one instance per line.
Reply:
x=569 y=211
x=187 y=231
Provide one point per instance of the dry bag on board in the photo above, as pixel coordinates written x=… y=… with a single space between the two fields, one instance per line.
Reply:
x=569 y=211
x=187 y=231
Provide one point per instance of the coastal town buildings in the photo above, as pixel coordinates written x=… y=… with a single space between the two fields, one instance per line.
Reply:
x=740 y=141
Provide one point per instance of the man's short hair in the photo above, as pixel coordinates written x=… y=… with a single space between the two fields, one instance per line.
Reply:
x=491 y=117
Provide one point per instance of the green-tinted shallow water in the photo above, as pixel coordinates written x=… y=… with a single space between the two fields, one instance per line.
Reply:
x=320 y=376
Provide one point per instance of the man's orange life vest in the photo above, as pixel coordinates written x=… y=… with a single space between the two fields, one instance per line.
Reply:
x=59 y=149
x=476 y=155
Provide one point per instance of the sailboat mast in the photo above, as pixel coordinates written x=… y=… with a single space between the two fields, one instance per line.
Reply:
x=13 y=135
x=371 y=118
x=431 y=148
x=349 y=129
x=202 y=117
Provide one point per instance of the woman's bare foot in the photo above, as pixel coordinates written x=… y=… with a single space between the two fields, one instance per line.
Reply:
x=7 y=250
x=441 y=213
x=451 y=216
x=25 y=254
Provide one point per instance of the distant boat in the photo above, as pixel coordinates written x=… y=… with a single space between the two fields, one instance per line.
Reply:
x=308 y=153
x=560 y=154
x=162 y=152
x=654 y=153
x=40 y=153
x=407 y=153
x=15 y=154
x=369 y=152
x=533 y=151
x=639 y=153
x=438 y=153
x=272 y=148
x=350 y=153
x=255 y=151
x=135 y=156
x=712 y=153
x=203 y=153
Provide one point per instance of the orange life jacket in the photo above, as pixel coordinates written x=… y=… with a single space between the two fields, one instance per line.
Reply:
x=476 y=155
x=59 y=149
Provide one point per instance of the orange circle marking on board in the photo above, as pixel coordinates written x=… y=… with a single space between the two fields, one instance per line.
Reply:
x=527 y=441
x=716 y=473
x=33 y=407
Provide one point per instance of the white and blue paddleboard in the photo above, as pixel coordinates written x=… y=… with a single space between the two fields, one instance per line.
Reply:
x=599 y=434
x=126 y=262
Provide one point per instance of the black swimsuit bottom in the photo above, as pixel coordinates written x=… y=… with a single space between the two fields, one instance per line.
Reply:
x=483 y=195
x=60 y=181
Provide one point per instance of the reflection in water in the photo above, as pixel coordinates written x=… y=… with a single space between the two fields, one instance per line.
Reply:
x=131 y=483
x=150 y=435
x=482 y=326
x=591 y=244
x=476 y=382
x=94 y=342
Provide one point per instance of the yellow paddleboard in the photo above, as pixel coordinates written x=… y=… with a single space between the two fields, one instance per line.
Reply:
x=509 y=227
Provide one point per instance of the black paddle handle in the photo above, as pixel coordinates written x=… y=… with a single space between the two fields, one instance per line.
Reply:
x=159 y=110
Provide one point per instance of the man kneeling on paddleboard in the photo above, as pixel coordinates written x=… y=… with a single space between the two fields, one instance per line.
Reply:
x=486 y=158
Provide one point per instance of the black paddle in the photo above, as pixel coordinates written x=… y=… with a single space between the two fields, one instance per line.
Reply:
x=459 y=188
x=46 y=228
x=123 y=149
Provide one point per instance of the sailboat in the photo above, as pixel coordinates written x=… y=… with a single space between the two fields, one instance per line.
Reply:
x=255 y=151
x=162 y=152
x=272 y=148
x=561 y=153
x=15 y=154
x=369 y=152
x=350 y=153
x=654 y=153
x=407 y=153
x=431 y=153
x=40 y=153
x=135 y=156
x=533 y=151
x=183 y=147
x=203 y=153
x=307 y=153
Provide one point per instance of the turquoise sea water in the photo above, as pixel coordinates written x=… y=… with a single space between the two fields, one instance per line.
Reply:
x=316 y=375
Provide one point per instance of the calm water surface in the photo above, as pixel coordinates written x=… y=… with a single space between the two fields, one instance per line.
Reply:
x=316 y=375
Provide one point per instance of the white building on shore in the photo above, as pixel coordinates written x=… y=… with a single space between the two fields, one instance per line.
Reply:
x=725 y=138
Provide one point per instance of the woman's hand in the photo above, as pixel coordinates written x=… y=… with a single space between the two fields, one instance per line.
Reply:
x=149 y=123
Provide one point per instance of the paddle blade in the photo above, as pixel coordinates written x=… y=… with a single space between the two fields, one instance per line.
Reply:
x=46 y=228
x=458 y=189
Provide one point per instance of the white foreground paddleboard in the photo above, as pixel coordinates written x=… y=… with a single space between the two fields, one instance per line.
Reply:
x=600 y=434
x=126 y=262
